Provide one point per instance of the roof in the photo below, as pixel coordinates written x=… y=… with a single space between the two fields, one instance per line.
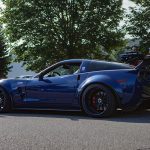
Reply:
x=73 y=60
x=91 y=60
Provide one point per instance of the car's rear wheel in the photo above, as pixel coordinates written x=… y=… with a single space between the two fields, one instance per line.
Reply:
x=98 y=101
x=4 y=101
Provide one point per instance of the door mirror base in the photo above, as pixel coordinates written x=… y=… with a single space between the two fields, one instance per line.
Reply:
x=40 y=78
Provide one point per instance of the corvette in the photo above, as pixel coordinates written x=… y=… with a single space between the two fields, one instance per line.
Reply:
x=96 y=87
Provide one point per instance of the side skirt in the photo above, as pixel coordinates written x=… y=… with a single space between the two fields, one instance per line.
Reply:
x=46 y=109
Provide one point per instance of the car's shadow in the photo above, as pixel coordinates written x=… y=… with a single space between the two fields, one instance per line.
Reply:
x=120 y=116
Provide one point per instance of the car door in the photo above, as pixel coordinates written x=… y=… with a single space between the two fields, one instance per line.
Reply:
x=55 y=89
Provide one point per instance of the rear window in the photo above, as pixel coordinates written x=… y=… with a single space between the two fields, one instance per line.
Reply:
x=102 y=65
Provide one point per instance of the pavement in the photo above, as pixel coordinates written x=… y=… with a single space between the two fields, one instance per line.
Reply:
x=51 y=130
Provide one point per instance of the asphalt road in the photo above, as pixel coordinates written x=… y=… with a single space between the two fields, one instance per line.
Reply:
x=49 y=130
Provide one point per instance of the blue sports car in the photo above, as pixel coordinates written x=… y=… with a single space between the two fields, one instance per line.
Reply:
x=96 y=87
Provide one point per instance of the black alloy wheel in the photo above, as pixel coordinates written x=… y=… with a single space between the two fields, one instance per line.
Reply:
x=98 y=101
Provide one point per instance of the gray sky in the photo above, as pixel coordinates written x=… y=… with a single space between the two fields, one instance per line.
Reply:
x=127 y=4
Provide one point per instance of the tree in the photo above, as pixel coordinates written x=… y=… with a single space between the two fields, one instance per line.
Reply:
x=139 y=25
x=4 y=59
x=45 y=31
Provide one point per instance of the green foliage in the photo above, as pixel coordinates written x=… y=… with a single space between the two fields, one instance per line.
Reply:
x=42 y=32
x=139 y=23
x=4 y=59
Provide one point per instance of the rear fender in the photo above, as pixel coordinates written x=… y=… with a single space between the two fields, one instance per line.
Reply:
x=105 y=80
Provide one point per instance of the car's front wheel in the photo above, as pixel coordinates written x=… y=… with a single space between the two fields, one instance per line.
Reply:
x=4 y=101
x=98 y=101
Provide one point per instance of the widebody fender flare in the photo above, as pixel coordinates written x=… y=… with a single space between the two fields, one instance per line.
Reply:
x=105 y=80
x=11 y=87
x=5 y=85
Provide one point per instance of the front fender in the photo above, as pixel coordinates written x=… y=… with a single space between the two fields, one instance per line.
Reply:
x=11 y=86
x=5 y=84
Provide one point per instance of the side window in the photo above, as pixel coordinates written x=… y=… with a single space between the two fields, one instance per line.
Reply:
x=64 y=69
x=97 y=66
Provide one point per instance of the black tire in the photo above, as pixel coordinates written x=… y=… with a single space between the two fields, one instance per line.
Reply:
x=98 y=101
x=5 y=104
